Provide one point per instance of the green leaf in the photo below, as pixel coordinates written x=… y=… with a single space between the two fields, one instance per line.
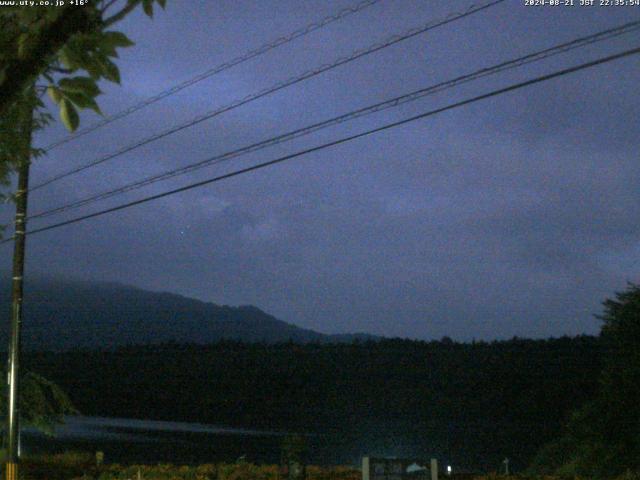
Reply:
x=78 y=52
x=108 y=50
x=116 y=40
x=162 y=3
x=55 y=94
x=25 y=43
x=29 y=15
x=69 y=115
x=69 y=58
x=147 y=6
x=84 y=85
x=110 y=71
x=38 y=152
x=93 y=66
x=81 y=100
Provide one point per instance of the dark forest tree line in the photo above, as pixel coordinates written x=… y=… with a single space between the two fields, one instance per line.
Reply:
x=574 y=401
x=471 y=403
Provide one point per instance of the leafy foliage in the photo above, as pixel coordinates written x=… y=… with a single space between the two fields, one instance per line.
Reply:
x=68 y=50
x=54 y=46
x=82 y=466
x=602 y=438
x=42 y=403
x=62 y=466
x=31 y=38
x=14 y=136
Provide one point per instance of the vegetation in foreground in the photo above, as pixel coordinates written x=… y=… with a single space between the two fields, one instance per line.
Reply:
x=466 y=402
x=471 y=404
x=602 y=437
x=82 y=466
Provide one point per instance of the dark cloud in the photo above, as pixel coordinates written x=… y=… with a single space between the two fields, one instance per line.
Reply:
x=513 y=216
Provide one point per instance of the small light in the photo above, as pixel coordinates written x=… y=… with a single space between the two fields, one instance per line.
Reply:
x=448 y=469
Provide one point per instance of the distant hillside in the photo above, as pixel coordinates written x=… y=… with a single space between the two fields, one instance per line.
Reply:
x=62 y=315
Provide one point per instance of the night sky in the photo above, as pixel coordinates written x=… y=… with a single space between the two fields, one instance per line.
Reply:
x=517 y=215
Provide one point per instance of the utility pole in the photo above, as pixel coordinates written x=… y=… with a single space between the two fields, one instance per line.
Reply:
x=13 y=371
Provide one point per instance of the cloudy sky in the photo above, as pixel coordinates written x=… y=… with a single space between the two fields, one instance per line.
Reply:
x=516 y=215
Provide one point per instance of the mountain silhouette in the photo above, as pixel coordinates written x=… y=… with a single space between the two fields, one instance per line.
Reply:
x=66 y=314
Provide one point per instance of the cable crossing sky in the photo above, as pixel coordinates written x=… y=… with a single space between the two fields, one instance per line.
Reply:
x=452 y=17
x=273 y=44
x=493 y=93
x=394 y=102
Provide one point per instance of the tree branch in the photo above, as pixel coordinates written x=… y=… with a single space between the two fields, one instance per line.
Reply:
x=122 y=13
x=108 y=5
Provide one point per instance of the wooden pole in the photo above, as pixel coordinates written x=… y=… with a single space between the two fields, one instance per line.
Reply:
x=13 y=370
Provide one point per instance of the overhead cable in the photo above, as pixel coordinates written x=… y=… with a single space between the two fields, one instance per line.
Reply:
x=452 y=17
x=393 y=102
x=388 y=126
x=271 y=45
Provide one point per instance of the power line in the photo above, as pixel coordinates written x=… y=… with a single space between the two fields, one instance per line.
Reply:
x=259 y=166
x=301 y=32
x=415 y=95
x=287 y=83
